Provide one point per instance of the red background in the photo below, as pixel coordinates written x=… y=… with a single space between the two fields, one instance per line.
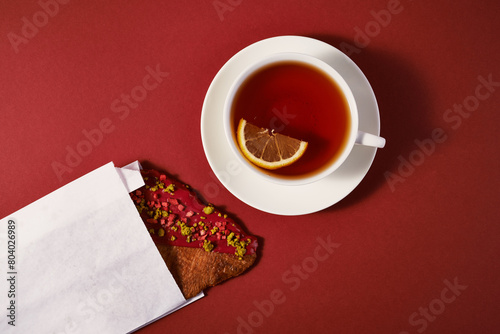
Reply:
x=402 y=232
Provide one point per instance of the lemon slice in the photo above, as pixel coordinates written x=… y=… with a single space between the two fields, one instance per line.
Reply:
x=268 y=149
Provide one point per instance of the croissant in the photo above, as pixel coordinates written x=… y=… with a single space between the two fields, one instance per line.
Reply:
x=201 y=245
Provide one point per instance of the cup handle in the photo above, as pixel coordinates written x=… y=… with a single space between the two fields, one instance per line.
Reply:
x=367 y=139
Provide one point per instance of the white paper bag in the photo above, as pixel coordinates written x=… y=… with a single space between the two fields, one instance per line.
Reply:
x=83 y=261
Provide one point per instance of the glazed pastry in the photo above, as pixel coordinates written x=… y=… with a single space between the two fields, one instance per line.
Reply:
x=200 y=244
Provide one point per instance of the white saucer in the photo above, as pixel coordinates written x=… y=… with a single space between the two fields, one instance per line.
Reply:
x=265 y=195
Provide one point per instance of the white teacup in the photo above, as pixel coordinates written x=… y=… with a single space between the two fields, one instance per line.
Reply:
x=352 y=134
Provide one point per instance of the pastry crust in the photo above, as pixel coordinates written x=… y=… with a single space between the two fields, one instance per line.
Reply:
x=194 y=269
x=199 y=243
